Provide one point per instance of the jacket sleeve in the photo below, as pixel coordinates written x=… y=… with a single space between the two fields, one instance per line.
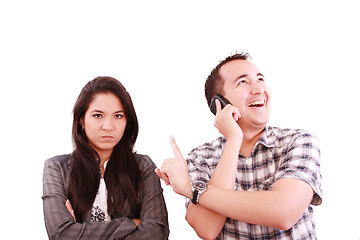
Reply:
x=154 y=217
x=58 y=220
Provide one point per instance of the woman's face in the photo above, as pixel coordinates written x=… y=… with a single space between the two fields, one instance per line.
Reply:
x=104 y=123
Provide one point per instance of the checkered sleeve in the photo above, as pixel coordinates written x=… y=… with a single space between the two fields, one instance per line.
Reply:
x=195 y=170
x=301 y=160
x=202 y=161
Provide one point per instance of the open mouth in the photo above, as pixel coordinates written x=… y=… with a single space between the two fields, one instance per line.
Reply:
x=257 y=103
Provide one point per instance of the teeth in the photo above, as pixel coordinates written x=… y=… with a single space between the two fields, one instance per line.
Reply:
x=256 y=103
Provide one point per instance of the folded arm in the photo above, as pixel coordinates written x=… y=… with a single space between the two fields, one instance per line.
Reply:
x=280 y=208
x=208 y=223
x=296 y=186
x=60 y=223
x=153 y=215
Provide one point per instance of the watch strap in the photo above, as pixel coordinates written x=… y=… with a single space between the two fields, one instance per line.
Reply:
x=195 y=197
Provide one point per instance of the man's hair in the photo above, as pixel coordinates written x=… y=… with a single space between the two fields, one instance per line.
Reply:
x=214 y=83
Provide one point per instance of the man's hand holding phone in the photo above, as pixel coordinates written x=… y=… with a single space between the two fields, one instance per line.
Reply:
x=226 y=120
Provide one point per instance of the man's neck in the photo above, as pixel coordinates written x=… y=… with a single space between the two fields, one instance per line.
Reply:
x=249 y=140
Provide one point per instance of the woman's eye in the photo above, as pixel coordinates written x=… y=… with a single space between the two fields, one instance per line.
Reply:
x=118 y=116
x=261 y=79
x=97 y=115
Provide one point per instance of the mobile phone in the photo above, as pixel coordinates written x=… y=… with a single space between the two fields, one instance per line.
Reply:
x=222 y=100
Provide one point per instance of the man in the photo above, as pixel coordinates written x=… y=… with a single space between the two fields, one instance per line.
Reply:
x=255 y=182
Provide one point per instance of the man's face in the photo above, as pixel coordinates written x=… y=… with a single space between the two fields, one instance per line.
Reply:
x=245 y=87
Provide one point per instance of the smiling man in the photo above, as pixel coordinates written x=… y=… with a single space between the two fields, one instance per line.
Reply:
x=256 y=181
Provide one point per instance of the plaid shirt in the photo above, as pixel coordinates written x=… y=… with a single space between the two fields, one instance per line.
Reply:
x=279 y=153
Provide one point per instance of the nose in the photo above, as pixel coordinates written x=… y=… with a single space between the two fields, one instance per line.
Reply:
x=107 y=125
x=256 y=88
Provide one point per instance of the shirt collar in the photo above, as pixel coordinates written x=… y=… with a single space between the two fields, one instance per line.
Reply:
x=267 y=138
x=106 y=163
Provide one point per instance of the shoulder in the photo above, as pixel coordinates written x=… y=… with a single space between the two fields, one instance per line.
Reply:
x=209 y=149
x=60 y=160
x=282 y=136
x=285 y=132
x=57 y=167
x=147 y=167
x=144 y=161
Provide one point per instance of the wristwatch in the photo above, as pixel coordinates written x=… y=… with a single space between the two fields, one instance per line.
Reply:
x=197 y=188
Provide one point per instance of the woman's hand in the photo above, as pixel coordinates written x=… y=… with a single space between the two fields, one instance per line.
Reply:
x=137 y=221
x=70 y=209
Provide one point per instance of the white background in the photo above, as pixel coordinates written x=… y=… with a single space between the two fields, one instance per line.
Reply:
x=162 y=51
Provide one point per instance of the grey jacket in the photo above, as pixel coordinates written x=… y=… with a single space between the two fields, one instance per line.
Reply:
x=61 y=225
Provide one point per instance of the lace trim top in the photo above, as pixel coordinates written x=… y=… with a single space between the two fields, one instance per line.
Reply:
x=99 y=210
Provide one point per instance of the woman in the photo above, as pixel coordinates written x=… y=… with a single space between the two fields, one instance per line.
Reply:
x=103 y=190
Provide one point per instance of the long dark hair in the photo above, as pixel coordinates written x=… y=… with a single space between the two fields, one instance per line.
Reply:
x=122 y=175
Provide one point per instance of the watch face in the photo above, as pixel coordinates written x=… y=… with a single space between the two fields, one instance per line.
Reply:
x=200 y=185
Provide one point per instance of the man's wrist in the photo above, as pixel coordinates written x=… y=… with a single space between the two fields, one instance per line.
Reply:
x=198 y=187
x=235 y=140
x=234 y=144
x=188 y=193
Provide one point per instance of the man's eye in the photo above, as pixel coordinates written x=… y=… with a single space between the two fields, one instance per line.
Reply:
x=241 y=82
x=97 y=115
x=261 y=79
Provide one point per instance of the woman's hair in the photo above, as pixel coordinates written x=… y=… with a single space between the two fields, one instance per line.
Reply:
x=122 y=175
x=214 y=83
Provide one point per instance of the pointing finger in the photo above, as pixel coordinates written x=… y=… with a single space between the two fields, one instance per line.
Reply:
x=175 y=148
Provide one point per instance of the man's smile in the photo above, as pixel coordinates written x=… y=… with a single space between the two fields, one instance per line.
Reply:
x=257 y=103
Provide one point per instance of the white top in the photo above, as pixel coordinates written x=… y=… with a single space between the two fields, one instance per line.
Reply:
x=99 y=210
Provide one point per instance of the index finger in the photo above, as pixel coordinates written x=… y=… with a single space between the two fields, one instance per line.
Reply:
x=175 y=148
x=218 y=106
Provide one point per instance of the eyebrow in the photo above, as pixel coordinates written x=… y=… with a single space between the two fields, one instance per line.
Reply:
x=246 y=75
x=99 y=111
x=260 y=74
